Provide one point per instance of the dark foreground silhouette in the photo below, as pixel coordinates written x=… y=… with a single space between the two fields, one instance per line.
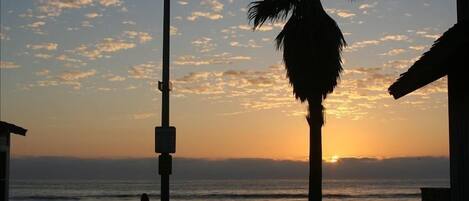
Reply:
x=6 y=129
x=144 y=197
x=447 y=57
x=312 y=44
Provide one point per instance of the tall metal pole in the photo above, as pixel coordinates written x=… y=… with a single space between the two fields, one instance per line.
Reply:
x=165 y=159
x=165 y=88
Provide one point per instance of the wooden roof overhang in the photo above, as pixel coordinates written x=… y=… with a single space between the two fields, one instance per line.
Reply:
x=7 y=128
x=449 y=51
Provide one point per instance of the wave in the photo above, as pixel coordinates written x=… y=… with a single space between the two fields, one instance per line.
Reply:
x=224 y=196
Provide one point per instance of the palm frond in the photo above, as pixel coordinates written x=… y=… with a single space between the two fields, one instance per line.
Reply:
x=312 y=47
x=280 y=39
x=273 y=10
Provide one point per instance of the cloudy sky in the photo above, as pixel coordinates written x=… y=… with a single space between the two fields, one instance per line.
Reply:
x=81 y=74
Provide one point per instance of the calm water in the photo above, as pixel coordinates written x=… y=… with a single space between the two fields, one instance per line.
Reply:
x=257 y=190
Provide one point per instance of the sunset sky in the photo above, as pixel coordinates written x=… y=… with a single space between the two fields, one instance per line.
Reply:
x=80 y=76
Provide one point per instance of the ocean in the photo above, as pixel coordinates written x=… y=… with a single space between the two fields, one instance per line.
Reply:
x=223 y=190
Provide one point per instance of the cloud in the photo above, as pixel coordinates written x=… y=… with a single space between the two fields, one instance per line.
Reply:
x=55 y=7
x=142 y=71
x=425 y=34
x=143 y=37
x=432 y=36
x=129 y=22
x=92 y=15
x=244 y=27
x=212 y=16
x=110 y=2
x=8 y=65
x=215 y=6
x=394 y=38
x=400 y=64
x=174 y=31
x=265 y=89
x=361 y=44
x=204 y=44
x=67 y=78
x=418 y=47
x=251 y=44
x=394 y=52
x=43 y=46
x=183 y=3
x=36 y=27
x=265 y=27
x=360 y=91
x=43 y=56
x=366 y=6
x=201 y=84
x=68 y=168
x=366 y=43
x=51 y=82
x=76 y=75
x=340 y=13
x=116 y=78
x=69 y=61
x=107 y=45
x=86 y=23
x=345 y=14
x=224 y=58
x=104 y=89
x=43 y=72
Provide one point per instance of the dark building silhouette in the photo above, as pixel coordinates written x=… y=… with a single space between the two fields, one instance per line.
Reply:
x=6 y=129
x=447 y=56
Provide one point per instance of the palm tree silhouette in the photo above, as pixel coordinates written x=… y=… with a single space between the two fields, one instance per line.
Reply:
x=312 y=44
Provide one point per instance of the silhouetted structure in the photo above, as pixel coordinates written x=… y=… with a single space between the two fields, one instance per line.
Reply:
x=435 y=194
x=144 y=197
x=165 y=136
x=448 y=57
x=6 y=129
x=312 y=44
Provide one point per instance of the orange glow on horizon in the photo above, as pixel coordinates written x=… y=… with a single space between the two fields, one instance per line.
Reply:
x=333 y=159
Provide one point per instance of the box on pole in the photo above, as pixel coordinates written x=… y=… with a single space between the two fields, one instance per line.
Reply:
x=165 y=139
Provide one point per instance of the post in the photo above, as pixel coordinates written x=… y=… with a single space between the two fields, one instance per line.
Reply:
x=165 y=84
x=6 y=129
x=4 y=165
x=458 y=112
x=165 y=136
x=463 y=10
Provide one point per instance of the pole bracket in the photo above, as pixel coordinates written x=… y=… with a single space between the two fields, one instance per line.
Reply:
x=162 y=86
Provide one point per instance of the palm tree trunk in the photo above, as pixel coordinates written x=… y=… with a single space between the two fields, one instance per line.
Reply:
x=315 y=121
